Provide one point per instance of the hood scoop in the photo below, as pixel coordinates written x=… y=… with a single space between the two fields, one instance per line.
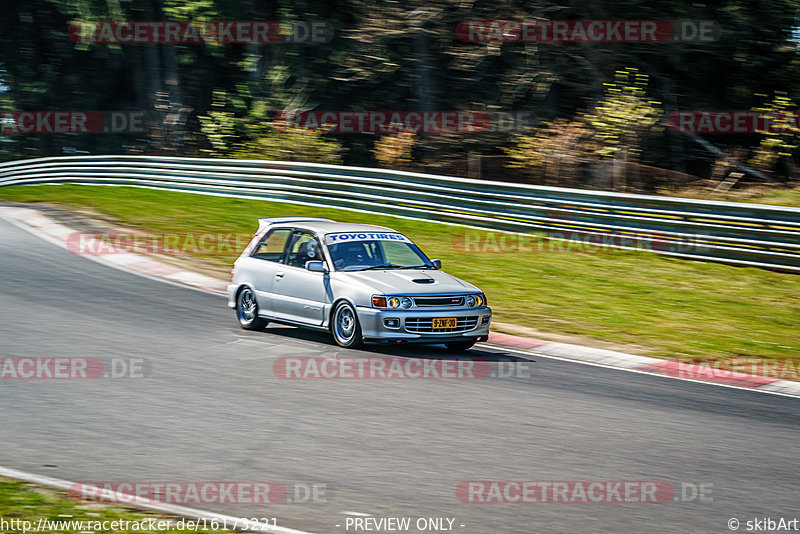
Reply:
x=423 y=280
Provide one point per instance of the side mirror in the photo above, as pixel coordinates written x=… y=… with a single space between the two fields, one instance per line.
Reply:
x=437 y=263
x=316 y=267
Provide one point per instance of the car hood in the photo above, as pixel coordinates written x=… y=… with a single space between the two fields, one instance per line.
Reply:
x=409 y=282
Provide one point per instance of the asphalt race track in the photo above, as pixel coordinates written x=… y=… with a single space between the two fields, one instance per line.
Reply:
x=212 y=410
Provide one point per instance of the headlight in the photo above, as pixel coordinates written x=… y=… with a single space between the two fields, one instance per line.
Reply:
x=470 y=301
x=380 y=301
x=480 y=300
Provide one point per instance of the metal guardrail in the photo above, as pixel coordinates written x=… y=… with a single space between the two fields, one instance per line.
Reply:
x=735 y=233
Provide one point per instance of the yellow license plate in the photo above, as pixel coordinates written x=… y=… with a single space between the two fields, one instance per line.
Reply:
x=449 y=322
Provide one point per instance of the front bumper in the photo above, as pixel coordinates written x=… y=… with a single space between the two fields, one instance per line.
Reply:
x=414 y=324
x=232 y=295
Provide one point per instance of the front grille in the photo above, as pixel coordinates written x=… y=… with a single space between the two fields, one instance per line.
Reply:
x=421 y=325
x=445 y=300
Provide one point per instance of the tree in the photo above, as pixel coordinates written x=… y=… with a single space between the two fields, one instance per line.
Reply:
x=782 y=140
x=291 y=144
x=624 y=118
x=394 y=151
x=558 y=149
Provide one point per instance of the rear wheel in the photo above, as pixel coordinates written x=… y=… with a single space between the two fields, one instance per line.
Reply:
x=460 y=346
x=345 y=328
x=247 y=311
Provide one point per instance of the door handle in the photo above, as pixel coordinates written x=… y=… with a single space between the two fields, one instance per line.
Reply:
x=279 y=275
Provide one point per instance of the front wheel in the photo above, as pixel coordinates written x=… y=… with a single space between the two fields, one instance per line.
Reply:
x=345 y=328
x=247 y=311
x=460 y=346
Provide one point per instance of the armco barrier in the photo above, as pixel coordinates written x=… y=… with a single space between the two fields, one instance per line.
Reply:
x=729 y=232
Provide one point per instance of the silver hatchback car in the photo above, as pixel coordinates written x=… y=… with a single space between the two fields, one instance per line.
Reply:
x=359 y=282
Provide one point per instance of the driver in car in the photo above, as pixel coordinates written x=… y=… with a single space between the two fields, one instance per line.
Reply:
x=350 y=254
x=309 y=251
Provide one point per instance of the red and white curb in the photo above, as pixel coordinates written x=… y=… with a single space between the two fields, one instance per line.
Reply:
x=59 y=234
x=142 y=503
x=647 y=365
x=54 y=232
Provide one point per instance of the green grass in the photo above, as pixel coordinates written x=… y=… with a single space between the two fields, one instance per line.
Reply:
x=780 y=197
x=759 y=194
x=671 y=308
x=25 y=502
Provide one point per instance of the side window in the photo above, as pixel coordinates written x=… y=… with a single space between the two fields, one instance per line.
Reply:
x=272 y=245
x=304 y=247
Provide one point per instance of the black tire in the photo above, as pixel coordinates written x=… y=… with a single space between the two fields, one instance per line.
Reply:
x=460 y=346
x=345 y=327
x=247 y=310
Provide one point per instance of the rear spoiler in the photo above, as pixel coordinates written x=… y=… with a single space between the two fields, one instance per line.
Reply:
x=268 y=221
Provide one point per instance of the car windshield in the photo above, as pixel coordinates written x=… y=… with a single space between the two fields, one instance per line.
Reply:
x=372 y=251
